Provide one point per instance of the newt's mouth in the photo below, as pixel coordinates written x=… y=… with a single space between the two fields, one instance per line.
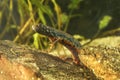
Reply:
x=35 y=27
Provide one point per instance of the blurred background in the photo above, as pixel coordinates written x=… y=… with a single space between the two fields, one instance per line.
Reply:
x=84 y=19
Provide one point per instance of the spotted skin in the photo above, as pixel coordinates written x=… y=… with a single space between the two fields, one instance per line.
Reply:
x=64 y=38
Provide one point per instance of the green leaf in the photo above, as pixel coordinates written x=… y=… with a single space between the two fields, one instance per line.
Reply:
x=74 y=4
x=46 y=9
x=64 y=18
x=36 y=40
x=41 y=16
x=104 y=22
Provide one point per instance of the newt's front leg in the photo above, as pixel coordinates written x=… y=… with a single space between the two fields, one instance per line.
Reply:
x=53 y=41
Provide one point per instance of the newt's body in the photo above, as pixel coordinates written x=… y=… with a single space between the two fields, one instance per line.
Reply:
x=65 y=39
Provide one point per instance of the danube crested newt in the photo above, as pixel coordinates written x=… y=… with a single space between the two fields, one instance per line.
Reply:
x=63 y=38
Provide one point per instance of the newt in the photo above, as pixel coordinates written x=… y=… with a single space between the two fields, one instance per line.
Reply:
x=62 y=37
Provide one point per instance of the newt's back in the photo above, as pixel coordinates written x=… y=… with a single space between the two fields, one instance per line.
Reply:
x=51 y=32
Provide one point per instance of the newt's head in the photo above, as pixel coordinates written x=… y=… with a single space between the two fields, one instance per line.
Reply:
x=43 y=29
x=38 y=28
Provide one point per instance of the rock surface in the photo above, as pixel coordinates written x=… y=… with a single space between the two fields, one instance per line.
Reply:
x=20 y=62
